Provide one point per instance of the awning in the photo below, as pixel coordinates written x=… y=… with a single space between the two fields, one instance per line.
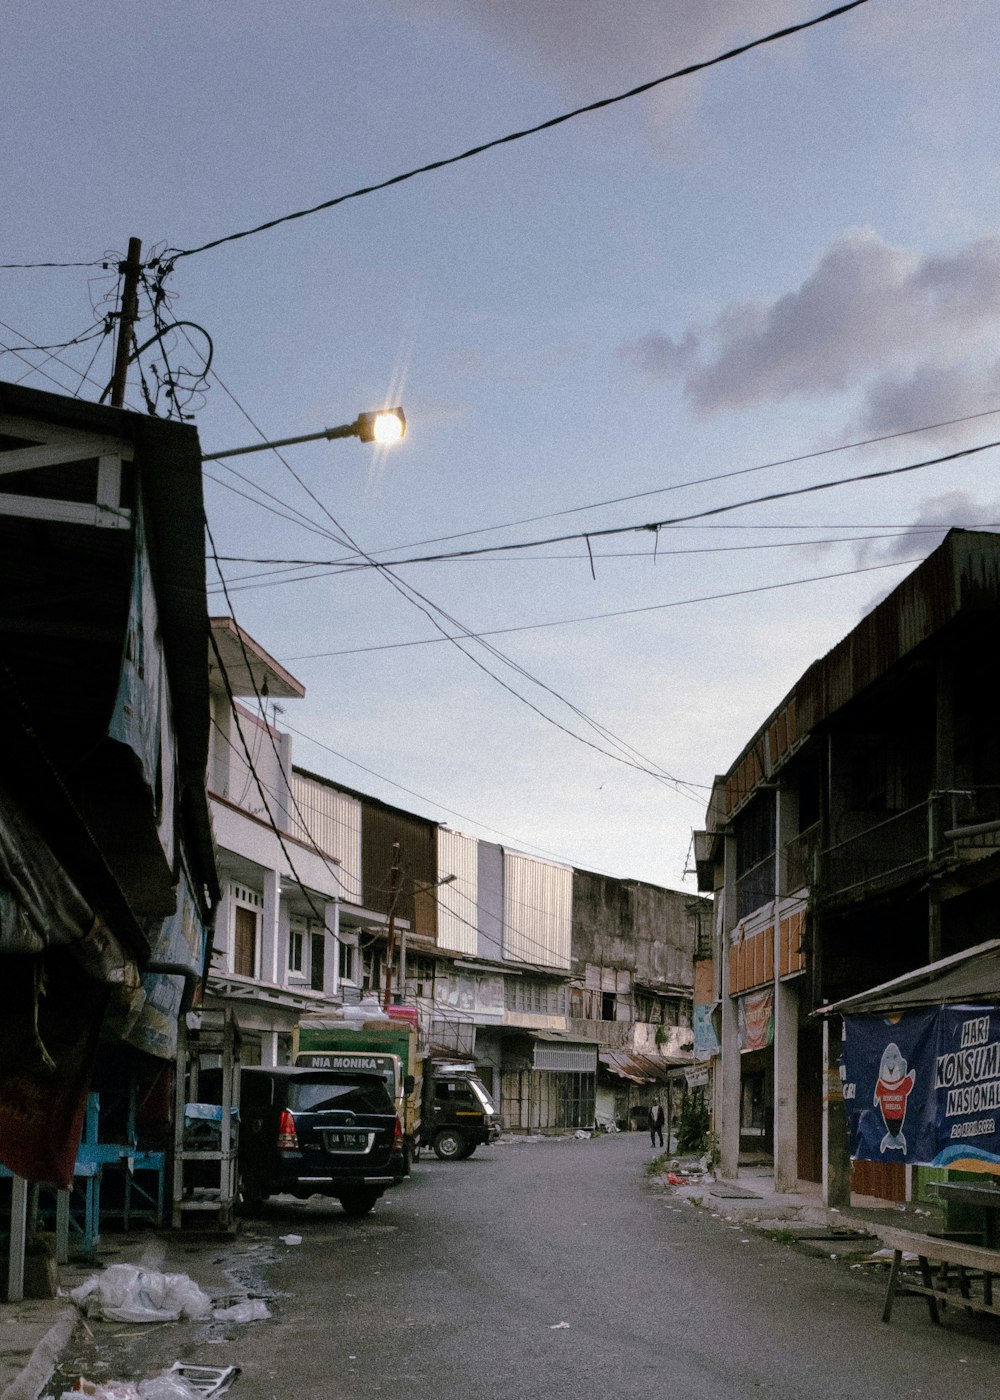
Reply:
x=970 y=976
x=643 y=1069
x=557 y=1050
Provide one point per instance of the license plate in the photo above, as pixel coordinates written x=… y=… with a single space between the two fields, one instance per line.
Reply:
x=345 y=1142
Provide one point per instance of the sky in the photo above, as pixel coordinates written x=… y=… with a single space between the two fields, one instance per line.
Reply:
x=772 y=274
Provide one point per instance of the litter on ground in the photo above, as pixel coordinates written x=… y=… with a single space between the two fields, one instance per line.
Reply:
x=125 y=1293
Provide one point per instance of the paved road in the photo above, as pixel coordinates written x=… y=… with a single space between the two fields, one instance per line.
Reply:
x=457 y=1287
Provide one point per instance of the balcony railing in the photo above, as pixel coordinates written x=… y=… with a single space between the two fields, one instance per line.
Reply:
x=755 y=887
x=949 y=826
x=800 y=855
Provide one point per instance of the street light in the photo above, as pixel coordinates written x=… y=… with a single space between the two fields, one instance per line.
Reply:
x=383 y=425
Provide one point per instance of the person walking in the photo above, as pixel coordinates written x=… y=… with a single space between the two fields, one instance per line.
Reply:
x=656 y=1124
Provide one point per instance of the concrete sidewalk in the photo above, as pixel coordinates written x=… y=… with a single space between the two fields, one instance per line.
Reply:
x=752 y=1200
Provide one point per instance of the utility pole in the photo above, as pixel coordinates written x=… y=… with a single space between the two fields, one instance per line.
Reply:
x=395 y=881
x=127 y=317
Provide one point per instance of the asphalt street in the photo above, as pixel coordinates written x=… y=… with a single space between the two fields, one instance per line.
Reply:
x=554 y=1268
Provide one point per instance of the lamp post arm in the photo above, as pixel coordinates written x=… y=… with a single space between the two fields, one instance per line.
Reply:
x=346 y=430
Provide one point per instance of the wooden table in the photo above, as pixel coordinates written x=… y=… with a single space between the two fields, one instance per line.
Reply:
x=963 y=1275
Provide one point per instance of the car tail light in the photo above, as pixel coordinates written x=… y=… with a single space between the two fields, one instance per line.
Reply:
x=397 y=1134
x=287 y=1137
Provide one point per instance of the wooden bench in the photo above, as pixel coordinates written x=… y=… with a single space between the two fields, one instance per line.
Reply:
x=959 y=1267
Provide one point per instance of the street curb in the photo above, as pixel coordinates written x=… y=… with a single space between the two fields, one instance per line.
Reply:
x=35 y=1376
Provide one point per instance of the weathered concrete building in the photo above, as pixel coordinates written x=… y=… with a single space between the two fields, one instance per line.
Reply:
x=855 y=838
x=632 y=985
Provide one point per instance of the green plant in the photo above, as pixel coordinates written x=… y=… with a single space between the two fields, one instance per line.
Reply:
x=692 y=1131
x=712 y=1150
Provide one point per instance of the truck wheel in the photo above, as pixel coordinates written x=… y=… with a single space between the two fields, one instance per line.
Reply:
x=358 y=1203
x=449 y=1145
x=467 y=1150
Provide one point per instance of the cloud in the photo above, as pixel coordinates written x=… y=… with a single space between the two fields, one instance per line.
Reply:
x=591 y=49
x=583 y=40
x=953 y=509
x=658 y=357
x=864 y=318
x=931 y=393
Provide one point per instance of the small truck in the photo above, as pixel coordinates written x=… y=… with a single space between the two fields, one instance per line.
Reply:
x=442 y=1104
x=379 y=1047
x=457 y=1113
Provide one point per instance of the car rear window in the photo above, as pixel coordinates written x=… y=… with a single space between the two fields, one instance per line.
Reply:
x=310 y=1096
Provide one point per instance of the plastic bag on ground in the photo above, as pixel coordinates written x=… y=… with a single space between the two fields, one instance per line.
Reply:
x=168 y=1386
x=101 y=1390
x=124 y=1293
x=253 y=1310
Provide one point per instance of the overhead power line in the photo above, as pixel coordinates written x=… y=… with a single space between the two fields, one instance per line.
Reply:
x=367 y=561
x=622 y=612
x=23 y=266
x=454 y=631
x=333 y=568
x=254 y=771
x=173 y=255
x=704 y=480
x=349 y=561
x=519 y=842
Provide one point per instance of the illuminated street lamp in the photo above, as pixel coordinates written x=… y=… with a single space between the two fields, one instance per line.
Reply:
x=383 y=425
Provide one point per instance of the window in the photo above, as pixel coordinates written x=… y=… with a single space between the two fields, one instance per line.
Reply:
x=296 y=945
x=609 y=1006
x=349 y=959
x=420 y=977
x=326 y=1092
x=317 y=962
x=524 y=994
x=754 y=828
x=245 y=942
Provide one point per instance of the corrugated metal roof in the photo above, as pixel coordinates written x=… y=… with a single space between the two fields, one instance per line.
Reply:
x=643 y=1069
x=962 y=576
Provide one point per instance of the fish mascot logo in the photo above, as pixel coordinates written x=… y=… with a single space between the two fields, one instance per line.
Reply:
x=891 y=1093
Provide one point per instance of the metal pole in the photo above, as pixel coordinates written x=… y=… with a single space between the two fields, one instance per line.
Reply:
x=18 y=1235
x=346 y=430
x=390 y=941
x=129 y=314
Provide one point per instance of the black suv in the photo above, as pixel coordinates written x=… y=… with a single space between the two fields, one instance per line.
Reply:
x=309 y=1131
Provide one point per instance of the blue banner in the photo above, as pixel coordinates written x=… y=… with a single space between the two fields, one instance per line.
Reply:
x=924 y=1087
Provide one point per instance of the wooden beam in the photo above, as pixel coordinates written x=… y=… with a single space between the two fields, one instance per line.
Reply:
x=65 y=512
x=79 y=449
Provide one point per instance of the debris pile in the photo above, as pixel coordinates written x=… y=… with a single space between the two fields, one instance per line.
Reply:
x=182 y=1381
x=126 y=1293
